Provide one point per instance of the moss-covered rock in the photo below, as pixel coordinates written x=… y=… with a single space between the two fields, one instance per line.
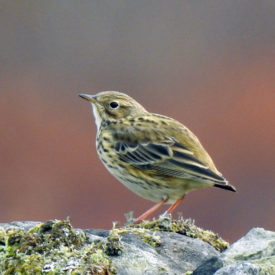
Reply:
x=53 y=247
x=182 y=226
x=162 y=246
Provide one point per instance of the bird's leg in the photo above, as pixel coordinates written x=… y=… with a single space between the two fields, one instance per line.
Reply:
x=175 y=204
x=146 y=214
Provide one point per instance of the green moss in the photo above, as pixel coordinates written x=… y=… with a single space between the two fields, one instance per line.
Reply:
x=146 y=235
x=181 y=226
x=52 y=248
x=152 y=239
x=113 y=246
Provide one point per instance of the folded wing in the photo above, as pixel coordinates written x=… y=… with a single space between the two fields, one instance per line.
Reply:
x=167 y=158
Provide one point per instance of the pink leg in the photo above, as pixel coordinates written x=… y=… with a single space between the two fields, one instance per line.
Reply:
x=146 y=214
x=175 y=204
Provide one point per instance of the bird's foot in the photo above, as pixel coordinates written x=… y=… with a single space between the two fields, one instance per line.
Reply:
x=165 y=215
x=129 y=218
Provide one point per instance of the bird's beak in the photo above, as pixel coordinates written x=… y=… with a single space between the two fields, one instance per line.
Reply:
x=91 y=98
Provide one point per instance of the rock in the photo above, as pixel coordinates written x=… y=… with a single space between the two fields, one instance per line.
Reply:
x=209 y=267
x=257 y=243
x=162 y=246
x=24 y=225
x=240 y=269
x=252 y=254
x=257 y=247
x=176 y=254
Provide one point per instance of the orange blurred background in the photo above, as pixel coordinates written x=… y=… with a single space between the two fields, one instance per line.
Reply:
x=210 y=65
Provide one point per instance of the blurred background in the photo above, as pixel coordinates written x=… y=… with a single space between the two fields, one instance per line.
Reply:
x=209 y=64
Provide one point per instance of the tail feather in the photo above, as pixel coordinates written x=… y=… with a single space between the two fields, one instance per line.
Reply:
x=225 y=186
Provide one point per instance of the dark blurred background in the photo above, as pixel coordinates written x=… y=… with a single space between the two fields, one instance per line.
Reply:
x=209 y=64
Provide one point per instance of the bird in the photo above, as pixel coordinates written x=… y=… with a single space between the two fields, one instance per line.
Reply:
x=153 y=155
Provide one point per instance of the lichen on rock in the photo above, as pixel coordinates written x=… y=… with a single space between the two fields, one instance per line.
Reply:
x=52 y=247
x=162 y=247
x=182 y=226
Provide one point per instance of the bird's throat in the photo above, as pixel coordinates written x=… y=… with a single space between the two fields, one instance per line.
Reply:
x=98 y=119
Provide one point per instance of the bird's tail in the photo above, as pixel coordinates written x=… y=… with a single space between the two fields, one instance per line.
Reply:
x=225 y=186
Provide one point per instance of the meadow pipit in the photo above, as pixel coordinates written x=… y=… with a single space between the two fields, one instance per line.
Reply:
x=155 y=156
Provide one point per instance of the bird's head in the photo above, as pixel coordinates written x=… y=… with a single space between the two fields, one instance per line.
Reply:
x=110 y=106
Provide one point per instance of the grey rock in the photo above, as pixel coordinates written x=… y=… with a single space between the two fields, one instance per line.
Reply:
x=209 y=267
x=257 y=248
x=184 y=252
x=256 y=244
x=239 y=269
x=23 y=225
x=139 y=257
x=176 y=254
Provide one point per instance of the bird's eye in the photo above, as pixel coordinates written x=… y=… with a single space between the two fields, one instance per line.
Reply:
x=114 y=105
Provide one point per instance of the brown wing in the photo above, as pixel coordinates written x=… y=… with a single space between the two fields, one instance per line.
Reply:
x=168 y=158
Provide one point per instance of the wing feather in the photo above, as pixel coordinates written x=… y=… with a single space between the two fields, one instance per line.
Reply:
x=168 y=158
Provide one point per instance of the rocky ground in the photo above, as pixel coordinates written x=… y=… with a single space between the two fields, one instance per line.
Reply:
x=161 y=246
